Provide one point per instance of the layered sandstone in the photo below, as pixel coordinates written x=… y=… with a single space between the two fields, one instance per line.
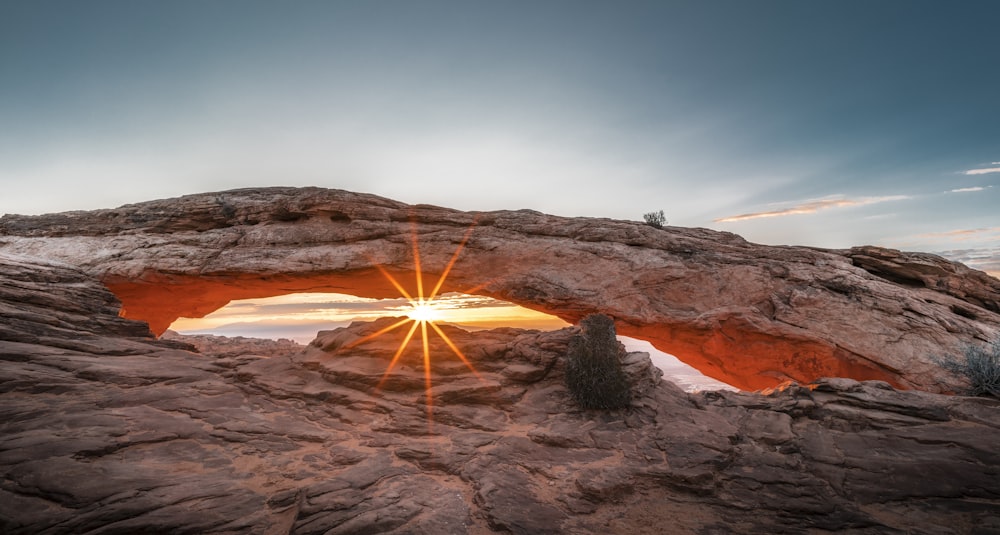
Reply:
x=748 y=314
x=106 y=429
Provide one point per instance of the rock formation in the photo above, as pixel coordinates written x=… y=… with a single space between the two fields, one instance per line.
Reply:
x=232 y=346
x=106 y=429
x=751 y=315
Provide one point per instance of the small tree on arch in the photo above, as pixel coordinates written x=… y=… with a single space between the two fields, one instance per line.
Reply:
x=655 y=219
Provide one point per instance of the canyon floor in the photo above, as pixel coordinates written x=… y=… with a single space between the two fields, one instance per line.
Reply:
x=105 y=428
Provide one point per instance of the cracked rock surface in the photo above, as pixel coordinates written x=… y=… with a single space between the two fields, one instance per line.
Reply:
x=105 y=429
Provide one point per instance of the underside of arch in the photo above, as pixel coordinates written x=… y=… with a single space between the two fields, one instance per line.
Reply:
x=159 y=299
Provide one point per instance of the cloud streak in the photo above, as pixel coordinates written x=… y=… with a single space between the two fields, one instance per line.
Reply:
x=812 y=206
x=982 y=171
x=966 y=190
x=965 y=234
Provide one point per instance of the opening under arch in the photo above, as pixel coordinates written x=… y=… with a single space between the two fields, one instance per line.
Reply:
x=299 y=316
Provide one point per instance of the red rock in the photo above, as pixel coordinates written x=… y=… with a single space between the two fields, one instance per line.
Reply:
x=751 y=315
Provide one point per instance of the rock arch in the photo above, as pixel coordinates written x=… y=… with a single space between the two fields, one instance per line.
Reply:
x=747 y=314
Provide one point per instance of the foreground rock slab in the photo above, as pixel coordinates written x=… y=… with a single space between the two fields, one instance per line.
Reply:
x=105 y=429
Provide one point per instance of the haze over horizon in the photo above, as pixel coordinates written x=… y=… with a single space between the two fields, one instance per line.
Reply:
x=822 y=124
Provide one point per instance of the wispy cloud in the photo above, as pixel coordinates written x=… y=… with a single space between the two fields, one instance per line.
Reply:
x=812 y=206
x=983 y=171
x=966 y=190
x=965 y=234
x=272 y=307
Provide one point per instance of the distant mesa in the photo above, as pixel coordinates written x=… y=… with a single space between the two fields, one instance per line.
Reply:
x=751 y=315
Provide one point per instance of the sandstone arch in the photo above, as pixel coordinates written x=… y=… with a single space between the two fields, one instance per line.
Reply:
x=747 y=314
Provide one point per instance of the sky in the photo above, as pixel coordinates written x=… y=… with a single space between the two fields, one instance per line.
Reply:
x=827 y=124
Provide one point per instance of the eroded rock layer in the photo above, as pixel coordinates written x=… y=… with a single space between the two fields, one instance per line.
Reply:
x=105 y=429
x=751 y=315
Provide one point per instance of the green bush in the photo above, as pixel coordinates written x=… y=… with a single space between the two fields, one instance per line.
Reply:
x=594 y=371
x=980 y=366
x=655 y=219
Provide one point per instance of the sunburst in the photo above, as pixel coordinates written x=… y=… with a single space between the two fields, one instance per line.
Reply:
x=423 y=312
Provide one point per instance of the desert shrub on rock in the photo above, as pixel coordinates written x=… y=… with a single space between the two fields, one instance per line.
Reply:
x=655 y=219
x=594 y=373
x=979 y=366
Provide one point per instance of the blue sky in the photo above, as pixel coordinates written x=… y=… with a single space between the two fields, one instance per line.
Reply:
x=846 y=123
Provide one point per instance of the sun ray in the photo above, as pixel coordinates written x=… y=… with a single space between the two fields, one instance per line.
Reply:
x=399 y=353
x=422 y=315
x=427 y=375
x=360 y=341
x=416 y=265
x=451 y=263
x=398 y=286
x=478 y=287
x=457 y=351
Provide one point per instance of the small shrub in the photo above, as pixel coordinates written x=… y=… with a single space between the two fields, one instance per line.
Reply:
x=594 y=371
x=980 y=366
x=655 y=219
x=227 y=209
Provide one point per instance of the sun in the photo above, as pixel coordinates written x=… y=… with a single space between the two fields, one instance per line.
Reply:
x=426 y=311
x=423 y=312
